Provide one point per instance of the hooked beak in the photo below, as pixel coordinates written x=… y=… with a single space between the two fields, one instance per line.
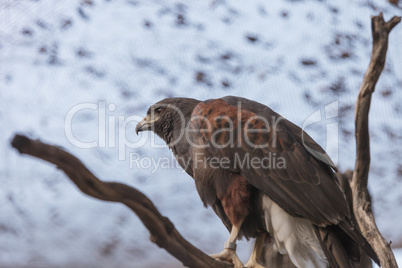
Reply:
x=143 y=125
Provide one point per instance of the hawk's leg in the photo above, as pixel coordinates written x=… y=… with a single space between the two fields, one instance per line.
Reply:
x=229 y=253
x=255 y=255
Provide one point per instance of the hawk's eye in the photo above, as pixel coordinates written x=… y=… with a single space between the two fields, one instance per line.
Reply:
x=158 y=110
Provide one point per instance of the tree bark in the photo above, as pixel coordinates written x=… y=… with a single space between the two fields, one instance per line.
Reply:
x=361 y=197
x=163 y=232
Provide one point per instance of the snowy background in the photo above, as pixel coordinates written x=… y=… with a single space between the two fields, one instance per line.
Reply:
x=120 y=57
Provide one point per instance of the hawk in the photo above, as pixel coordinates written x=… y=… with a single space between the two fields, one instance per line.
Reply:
x=264 y=177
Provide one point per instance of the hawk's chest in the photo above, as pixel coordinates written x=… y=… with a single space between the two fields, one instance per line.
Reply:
x=219 y=185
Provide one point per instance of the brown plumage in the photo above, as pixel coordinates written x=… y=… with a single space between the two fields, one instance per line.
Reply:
x=223 y=144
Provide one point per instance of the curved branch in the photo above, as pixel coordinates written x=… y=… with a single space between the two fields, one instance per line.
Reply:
x=163 y=232
x=361 y=198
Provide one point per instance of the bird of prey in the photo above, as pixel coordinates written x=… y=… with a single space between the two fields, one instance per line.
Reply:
x=264 y=177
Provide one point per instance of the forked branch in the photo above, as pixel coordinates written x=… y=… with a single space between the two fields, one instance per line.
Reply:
x=361 y=198
x=163 y=232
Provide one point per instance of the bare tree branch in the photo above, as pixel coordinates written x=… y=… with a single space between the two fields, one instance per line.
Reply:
x=361 y=198
x=163 y=232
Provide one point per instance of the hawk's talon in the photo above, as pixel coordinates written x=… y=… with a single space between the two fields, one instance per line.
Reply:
x=230 y=256
x=253 y=264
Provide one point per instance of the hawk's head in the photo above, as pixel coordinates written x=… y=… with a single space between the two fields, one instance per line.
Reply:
x=167 y=116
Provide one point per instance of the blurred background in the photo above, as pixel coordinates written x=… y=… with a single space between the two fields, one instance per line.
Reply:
x=77 y=72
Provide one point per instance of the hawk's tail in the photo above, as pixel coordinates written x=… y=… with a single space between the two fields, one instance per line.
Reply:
x=345 y=249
